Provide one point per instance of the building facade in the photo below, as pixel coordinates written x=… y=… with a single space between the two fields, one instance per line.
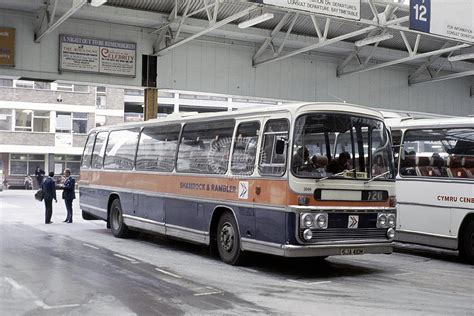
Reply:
x=45 y=124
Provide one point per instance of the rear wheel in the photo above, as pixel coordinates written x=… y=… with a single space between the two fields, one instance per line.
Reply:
x=228 y=239
x=119 y=229
x=466 y=248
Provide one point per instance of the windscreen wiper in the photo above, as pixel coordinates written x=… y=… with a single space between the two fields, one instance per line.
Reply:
x=335 y=175
x=379 y=176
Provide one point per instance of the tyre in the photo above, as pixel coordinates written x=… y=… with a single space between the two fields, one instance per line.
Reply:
x=466 y=248
x=228 y=239
x=119 y=229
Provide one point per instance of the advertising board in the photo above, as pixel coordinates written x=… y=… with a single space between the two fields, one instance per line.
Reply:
x=7 y=47
x=97 y=55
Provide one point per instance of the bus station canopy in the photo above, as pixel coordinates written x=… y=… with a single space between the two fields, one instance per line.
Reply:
x=379 y=36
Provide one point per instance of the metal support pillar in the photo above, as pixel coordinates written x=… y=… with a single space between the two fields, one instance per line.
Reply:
x=150 y=109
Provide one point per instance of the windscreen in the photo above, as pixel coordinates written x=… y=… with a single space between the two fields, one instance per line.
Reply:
x=336 y=145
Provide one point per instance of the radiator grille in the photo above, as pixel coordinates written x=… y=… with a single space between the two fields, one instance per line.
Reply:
x=342 y=234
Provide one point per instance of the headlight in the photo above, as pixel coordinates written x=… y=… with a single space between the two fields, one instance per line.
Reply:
x=391 y=220
x=382 y=220
x=307 y=220
x=391 y=233
x=307 y=234
x=321 y=220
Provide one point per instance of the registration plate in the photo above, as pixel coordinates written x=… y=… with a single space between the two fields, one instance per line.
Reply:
x=352 y=251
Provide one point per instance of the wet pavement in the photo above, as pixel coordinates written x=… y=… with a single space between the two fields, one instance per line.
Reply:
x=81 y=269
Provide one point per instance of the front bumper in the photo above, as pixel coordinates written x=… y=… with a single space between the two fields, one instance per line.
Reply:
x=315 y=250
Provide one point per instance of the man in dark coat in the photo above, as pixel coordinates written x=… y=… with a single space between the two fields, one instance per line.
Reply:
x=69 y=193
x=49 y=190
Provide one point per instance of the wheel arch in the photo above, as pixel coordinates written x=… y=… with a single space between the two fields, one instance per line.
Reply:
x=466 y=220
x=112 y=197
x=216 y=214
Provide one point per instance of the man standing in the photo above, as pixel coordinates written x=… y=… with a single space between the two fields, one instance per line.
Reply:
x=49 y=190
x=69 y=194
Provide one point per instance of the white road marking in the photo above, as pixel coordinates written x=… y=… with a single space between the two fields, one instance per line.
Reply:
x=405 y=273
x=43 y=305
x=249 y=270
x=168 y=273
x=126 y=258
x=210 y=291
x=309 y=283
x=90 y=246
x=207 y=293
x=38 y=302
x=13 y=283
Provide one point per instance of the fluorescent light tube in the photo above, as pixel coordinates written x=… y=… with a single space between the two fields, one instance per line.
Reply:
x=373 y=39
x=256 y=20
x=461 y=57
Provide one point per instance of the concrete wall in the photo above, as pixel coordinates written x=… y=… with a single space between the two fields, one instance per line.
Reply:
x=47 y=96
x=40 y=60
x=227 y=68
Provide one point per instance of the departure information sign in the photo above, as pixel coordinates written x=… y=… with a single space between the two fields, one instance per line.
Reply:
x=349 y=9
x=453 y=19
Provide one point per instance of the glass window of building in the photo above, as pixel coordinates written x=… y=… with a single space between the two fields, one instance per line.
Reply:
x=41 y=121
x=23 y=120
x=81 y=88
x=6 y=83
x=26 y=84
x=5 y=120
x=63 y=122
x=41 y=85
x=23 y=164
x=65 y=87
x=79 y=123
x=71 y=162
x=101 y=97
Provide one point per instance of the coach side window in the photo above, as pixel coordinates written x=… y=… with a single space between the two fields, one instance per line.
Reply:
x=205 y=146
x=99 y=150
x=121 y=147
x=86 y=156
x=438 y=153
x=245 y=148
x=157 y=148
x=272 y=162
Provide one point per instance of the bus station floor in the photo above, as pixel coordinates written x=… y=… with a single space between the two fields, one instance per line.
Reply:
x=81 y=269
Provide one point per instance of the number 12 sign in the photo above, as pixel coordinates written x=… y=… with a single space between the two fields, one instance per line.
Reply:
x=449 y=18
x=420 y=15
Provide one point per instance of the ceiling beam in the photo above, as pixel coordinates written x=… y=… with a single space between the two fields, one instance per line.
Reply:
x=225 y=21
x=401 y=60
x=319 y=44
x=442 y=78
x=43 y=31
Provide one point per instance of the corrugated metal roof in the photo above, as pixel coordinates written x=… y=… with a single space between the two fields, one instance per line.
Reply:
x=303 y=26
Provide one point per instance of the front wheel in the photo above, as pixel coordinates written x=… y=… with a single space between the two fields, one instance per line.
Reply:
x=119 y=229
x=466 y=248
x=228 y=240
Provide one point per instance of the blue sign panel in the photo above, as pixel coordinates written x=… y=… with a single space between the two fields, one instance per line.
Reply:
x=420 y=15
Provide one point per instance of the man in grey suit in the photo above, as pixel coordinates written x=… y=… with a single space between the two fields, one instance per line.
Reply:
x=49 y=190
x=69 y=194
